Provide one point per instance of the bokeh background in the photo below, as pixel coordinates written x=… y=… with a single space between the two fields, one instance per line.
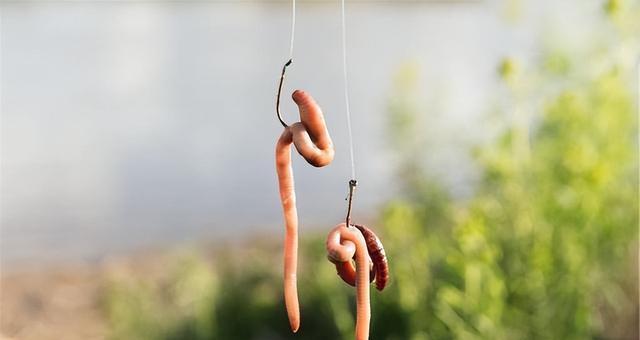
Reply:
x=496 y=147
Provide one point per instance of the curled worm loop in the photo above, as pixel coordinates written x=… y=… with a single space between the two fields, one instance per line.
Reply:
x=379 y=267
x=312 y=141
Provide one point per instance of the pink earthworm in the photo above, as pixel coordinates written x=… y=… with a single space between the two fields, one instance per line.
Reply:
x=312 y=140
x=343 y=243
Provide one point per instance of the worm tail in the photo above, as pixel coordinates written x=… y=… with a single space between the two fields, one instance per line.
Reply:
x=288 y=200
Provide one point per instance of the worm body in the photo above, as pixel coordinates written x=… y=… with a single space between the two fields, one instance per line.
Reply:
x=312 y=141
x=343 y=244
x=379 y=265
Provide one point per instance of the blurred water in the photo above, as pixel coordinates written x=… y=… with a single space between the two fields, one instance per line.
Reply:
x=142 y=123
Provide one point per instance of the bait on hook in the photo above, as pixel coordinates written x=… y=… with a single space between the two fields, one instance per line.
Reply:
x=346 y=242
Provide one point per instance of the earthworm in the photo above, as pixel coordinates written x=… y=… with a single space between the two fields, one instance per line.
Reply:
x=343 y=243
x=380 y=266
x=312 y=140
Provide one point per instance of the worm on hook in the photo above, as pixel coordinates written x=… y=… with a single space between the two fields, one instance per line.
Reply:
x=343 y=243
x=379 y=265
x=312 y=140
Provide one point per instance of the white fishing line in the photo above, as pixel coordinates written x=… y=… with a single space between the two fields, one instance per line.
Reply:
x=346 y=90
x=293 y=28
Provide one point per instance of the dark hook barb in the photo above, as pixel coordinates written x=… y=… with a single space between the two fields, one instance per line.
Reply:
x=284 y=69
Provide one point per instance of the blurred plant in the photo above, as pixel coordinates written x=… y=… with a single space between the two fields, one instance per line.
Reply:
x=176 y=305
x=545 y=249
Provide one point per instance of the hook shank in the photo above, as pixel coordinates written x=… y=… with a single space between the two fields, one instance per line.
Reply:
x=352 y=188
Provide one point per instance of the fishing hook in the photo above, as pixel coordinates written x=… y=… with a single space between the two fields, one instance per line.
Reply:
x=352 y=188
x=284 y=69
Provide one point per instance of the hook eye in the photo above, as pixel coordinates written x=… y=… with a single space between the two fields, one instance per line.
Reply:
x=284 y=70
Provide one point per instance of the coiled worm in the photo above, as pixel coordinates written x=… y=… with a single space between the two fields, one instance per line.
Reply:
x=343 y=243
x=312 y=140
x=379 y=265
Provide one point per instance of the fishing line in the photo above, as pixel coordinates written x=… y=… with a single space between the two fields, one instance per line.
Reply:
x=293 y=28
x=346 y=91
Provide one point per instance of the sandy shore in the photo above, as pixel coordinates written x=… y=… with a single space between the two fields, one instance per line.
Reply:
x=58 y=303
x=64 y=301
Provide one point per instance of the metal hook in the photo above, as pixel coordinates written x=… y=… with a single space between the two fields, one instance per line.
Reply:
x=352 y=188
x=284 y=69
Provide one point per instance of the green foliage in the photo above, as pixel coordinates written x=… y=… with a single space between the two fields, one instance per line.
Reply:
x=545 y=245
x=612 y=7
x=507 y=69
x=545 y=249
x=176 y=305
x=548 y=245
